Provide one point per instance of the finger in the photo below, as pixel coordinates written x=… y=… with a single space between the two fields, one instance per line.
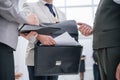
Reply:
x=45 y=43
x=84 y=29
x=52 y=41
x=81 y=26
x=48 y=42
x=88 y=31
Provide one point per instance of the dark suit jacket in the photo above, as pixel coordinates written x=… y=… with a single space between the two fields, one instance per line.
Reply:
x=107 y=25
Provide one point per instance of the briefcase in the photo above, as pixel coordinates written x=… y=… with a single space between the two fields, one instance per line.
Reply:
x=59 y=60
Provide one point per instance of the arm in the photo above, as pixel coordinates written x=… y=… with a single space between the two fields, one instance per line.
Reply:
x=44 y=39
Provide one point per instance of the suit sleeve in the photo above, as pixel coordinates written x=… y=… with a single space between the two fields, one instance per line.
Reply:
x=117 y=1
x=9 y=10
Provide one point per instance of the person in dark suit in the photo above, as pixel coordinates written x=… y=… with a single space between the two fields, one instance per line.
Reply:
x=96 y=72
x=106 y=38
x=82 y=67
x=10 y=18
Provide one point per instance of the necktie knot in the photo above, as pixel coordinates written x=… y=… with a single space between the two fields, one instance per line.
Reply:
x=50 y=6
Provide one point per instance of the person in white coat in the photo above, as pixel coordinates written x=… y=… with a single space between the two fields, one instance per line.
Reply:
x=46 y=15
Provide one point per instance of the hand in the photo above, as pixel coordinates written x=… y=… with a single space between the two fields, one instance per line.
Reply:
x=33 y=19
x=29 y=35
x=83 y=57
x=18 y=75
x=118 y=72
x=46 y=40
x=85 y=29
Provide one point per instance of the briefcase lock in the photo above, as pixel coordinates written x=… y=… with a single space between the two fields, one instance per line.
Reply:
x=58 y=63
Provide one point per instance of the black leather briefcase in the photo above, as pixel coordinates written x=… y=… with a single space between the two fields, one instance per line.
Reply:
x=59 y=60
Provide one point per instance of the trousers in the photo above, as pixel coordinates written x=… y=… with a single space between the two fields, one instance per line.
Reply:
x=108 y=59
x=6 y=63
